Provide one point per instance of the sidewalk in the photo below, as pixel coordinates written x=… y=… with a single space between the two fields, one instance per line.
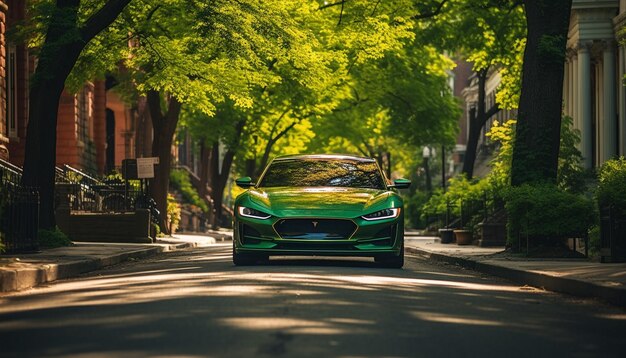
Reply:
x=578 y=277
x=22 y=271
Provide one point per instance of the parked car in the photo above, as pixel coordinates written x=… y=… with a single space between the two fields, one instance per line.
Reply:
x=325 y=205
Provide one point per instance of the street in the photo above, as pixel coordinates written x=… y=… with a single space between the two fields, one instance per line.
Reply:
x=196 y=303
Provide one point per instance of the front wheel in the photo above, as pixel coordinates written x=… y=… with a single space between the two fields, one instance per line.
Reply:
x=391 y=261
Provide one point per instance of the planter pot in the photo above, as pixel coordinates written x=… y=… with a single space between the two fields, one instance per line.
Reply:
x=446 y=235
x=463 y=237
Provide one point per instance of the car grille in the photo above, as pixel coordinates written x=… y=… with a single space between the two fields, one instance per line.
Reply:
x=315 y=229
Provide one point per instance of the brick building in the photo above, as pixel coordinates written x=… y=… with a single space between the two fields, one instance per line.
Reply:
x=95 y=129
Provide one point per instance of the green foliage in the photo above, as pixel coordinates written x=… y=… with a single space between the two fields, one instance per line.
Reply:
x=503 y=135
x=173 y=213
x=488 y=33
x=546 y=214
x=413 y=206
x=570 y=175
x=612 y=184
x=157 y=229
x=461 y=199
x=595 y=243
x=179 y=179
x=49 y=239
x=550 y=49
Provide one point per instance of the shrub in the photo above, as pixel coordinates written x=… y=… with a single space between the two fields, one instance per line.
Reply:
x=460 y=198
x=179 y=179
x=546 y=214
x=49 y=239
x=173 y=213
x=413 y=206
x=612 y=184
x=571 y=176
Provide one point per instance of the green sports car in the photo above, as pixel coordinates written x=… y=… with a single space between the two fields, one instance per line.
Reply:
x=326 y=205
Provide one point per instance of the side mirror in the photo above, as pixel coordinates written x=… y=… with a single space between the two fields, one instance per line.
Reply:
x=400 y=184
x=244 y=182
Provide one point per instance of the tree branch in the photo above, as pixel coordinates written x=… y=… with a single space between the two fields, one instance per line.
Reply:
x=341 y=12
x=325 y=6
x=433 y=13
x=102 y=18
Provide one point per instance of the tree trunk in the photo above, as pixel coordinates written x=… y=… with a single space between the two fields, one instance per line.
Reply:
x=164 y=128
x=56 y=60
x=219 y=176
x=536 y=149
x=478 y=118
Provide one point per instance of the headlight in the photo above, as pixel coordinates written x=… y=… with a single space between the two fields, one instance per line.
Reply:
x=252 y=213
x=383 y=214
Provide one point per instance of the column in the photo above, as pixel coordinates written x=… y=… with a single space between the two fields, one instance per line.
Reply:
x=572 y=87
x=575 y=92
x=584 y=104
x=622 y=102
x=566 y=87
x=609 y=128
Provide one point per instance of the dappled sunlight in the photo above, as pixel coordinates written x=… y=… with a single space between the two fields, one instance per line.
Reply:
x=290 y=325
x=77 y=321
x=344 y=301
x=443 y=318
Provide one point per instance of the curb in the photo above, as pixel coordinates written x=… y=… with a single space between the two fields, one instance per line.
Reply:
x=22 y=278
x=615 y=296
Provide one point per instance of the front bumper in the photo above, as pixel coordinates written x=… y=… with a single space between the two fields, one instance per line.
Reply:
x=368 y=239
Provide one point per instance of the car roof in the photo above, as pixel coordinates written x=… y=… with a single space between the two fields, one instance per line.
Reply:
x=324 y=156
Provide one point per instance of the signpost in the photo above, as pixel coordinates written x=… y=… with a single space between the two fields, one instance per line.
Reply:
x=140 y=168
x=145 y=167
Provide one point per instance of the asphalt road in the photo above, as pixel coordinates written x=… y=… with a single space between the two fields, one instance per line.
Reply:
x=197 y=304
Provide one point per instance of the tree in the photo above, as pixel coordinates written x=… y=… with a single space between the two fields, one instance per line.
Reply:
x=537 y=137
x=492 y=39
x=65 y=38
x=203 y=56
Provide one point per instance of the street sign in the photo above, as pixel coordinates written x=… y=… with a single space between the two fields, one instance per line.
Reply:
x=145 y=167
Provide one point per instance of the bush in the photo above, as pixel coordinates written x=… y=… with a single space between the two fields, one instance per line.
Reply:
x=179 y=179
x=612 y=184
x=414 y=205
x=461 y=197
x=173 y=213
x=546 y=214
x=49 y=239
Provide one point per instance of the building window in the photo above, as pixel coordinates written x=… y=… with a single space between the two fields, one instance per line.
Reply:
x=83 y=112
x=12 y=91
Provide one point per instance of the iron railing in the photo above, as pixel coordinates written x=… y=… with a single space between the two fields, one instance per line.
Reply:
x=612 y=234
x=19 y=218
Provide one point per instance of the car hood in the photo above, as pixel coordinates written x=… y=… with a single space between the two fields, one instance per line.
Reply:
x=320 y=201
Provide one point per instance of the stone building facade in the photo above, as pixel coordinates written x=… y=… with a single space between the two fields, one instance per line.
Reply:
x=593 y=89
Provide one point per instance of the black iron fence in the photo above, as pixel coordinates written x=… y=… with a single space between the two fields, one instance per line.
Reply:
x=19 y=218
x=612 y=234
x=467 y=213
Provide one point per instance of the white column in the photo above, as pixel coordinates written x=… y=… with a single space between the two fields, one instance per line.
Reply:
x=622 y=101
x=572 y=87
x=609 y=128
x=584 y=105
x=566 y=87
x=575 y=94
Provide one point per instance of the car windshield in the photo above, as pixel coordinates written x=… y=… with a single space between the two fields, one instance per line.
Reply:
x=323 y=172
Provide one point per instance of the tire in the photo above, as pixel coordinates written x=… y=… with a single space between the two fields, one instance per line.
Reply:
x=391 y=261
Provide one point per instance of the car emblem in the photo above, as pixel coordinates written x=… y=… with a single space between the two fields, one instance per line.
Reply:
x=315 y=224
